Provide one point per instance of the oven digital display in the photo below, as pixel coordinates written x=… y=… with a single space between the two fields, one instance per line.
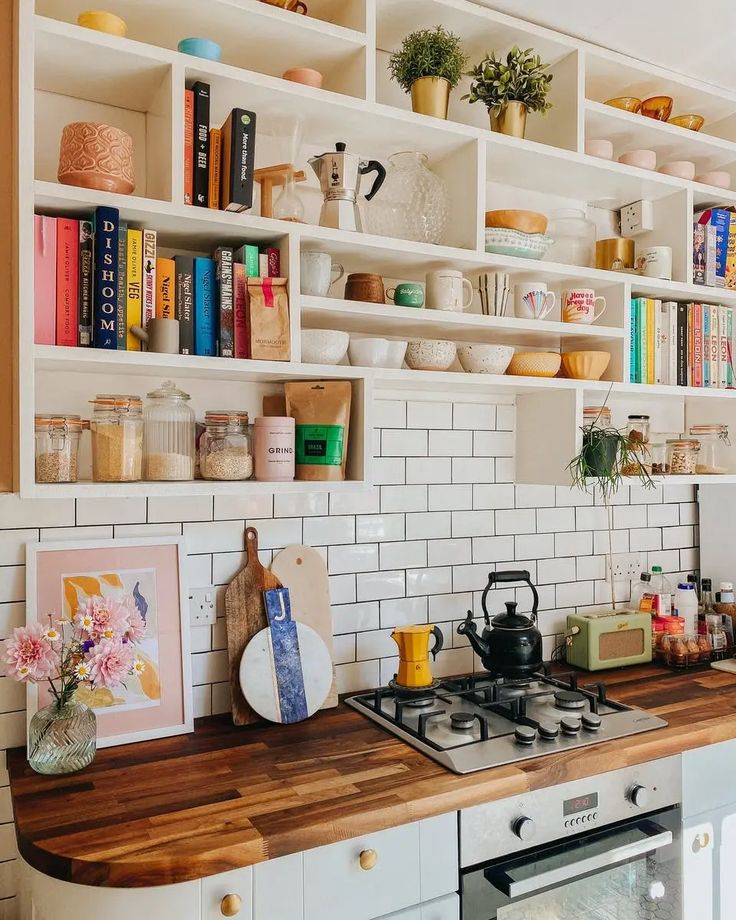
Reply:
x=580 y=803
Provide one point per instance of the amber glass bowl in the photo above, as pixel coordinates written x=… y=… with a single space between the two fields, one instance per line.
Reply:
x=659 y=107
x=691 y=122
x=627 y=103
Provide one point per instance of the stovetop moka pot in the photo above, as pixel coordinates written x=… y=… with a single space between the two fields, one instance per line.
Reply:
x=511 y=644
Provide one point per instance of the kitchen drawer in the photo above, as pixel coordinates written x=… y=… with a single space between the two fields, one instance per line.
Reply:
x=236 y=886
x=447 y=908
x=335 y=882
x=278 y=886
x=707 y=778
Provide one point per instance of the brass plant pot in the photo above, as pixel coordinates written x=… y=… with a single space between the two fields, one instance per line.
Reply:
x=510 y=118
x=614 y=254
x=431 y=96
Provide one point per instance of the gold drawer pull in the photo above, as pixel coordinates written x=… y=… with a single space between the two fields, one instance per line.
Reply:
x=368 y=859
x=230 y=905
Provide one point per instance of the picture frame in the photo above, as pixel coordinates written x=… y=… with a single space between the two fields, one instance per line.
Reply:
x=60 y=574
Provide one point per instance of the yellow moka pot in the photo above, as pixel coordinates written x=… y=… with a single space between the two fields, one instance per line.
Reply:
x=413 y=642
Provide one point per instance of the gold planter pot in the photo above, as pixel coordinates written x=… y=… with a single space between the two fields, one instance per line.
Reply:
x=509 y=118
x=614 y=254
x=431 y=96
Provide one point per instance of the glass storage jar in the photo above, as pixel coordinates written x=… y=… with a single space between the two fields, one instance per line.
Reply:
x=714 y=444
x=682 y=457
x=573 y=238
x=637 y=429
x=168 y=435
x=224 y=448
x=117 y=438
x=414 y=203
x=57 y=446
x=597 y=416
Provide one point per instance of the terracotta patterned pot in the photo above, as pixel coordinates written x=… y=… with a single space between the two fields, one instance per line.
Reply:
x=93 y=155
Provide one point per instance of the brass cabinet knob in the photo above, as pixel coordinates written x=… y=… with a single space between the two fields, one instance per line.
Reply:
x=368 y=859
x=230 y=905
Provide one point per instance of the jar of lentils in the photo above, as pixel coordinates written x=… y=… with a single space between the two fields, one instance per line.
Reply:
x=117 y=438
x=57 y=447
x=168 y=435
x=224 y=448
x=683 y=457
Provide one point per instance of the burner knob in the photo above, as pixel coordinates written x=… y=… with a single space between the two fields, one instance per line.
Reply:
x=570 y=726
x=638 y=796
x=524 y=828
x=591 y=721
x=524 y=734
x=548 y=731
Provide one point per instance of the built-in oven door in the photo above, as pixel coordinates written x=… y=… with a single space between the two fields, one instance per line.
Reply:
x=626 y=872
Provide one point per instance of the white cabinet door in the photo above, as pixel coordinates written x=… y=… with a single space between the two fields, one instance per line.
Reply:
x=278 y=888
x=447 y=908
x=229 y=894
x=438 y=841
x=698 y=847
x=727 y=861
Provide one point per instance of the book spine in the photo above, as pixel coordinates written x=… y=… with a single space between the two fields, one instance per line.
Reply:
x=248 y=255
x=730 y=276
x=165 y=289
x=722 y=348
x=188 y=146
x=241 y=334
x=706 y=346
x=85 y=283
x=730 y=375
x=205 y=307
x=690 y=343
x=106 y=223
x=44 y=280
x=238 y=160
x=643 y=354
x=639 y=328
x=201 y=142
x=149 y=275
x=134 y=287
x=213 y=192
x=67 y=281
x=122 y=292
x=651 y=341
x=273 y=256
x=715 y=347
x=697 y=345
x=185 y=303
x=224 y=260
x=657 y=323
x=672 y=340
x=262 y=265
x=632 y=340
x=682 y=343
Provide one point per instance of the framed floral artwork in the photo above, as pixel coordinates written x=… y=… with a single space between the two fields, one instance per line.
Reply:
x=129 y=600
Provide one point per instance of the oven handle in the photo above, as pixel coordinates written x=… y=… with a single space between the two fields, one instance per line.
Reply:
x=515 y=889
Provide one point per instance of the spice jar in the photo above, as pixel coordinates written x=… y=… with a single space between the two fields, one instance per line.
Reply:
x=596 y=416
x=117 y=438
x=224 y=448
x=274 y=448
x=57 y=446
x=658 y=458
x=682 y=457
x=168 y=434
x=714 y=442
x=637 y=429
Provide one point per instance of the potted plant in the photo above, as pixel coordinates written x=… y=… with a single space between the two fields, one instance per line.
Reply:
x=510 y=89
x=428 y=65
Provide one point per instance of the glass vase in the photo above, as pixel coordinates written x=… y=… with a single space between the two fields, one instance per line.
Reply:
x=413 y=203
x=62 y=738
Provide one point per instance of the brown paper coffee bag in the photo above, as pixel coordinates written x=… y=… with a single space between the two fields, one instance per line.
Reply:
x=269 y=319
x=321 y=411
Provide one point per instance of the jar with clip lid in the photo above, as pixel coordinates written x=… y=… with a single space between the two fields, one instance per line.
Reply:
x=168 y=434
x=714 y=444
x=117 y=438
x=224 y=448
x=57 y=447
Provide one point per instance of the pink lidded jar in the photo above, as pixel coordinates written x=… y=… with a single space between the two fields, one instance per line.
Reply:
x=274 y=448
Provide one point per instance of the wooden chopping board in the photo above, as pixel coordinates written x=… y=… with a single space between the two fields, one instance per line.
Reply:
x=245 y=615
x=302 y=570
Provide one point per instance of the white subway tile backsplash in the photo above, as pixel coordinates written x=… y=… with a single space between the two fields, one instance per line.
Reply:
x=13 y=545
x=571 y=497
x=403 y=611
x=472 y=523
x=529 y=496
x=94 y=532
x=688 y=513
x=662 y=516
x=520 y=520
x=301 y=504
x=277 y=533
x=164 y=510
x=35 y=512
x=534 y=545
x=202 y=701
x=493 y=495
x=474 y=416
x=550 y=571
x=617 y=542
x=450 y=443
x=677 y=537
x=595 y=518
x=678 y=493
x=449 y=606
x=369 y=527
x=437 y=580
x=493 y=549
x=470 y=577
x=403 y=555
x=352 y=557
x=450 y=497
x=449 y=552
x=352 y=618
x=591 y=567
x=389 y=413
x=403 y=443
x=12 y=583
x=103 y=510
x=362 y=501
x=199 y=571
x=689 y=560
x=376 y=586
x=505 y=418
x=646 y=538
x=630 y=516
x=11 y=616
x=343 y=589
x=127 y=531
x=232 y=507
x=343 y=649
x=577 y=543
x=326 y=531
x=574 y=594
x=505 y=469
x=362 y=675
x=389 y=471
x=555 y=520
x=378 y=644
x=428 y=415
x=428 y=525
x=473 y=469
x=209 y=667
x=429 y=469
x=216 y=537
x=403 y=498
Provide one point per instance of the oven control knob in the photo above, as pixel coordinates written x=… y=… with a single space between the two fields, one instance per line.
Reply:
x=591 y=721
x=569 y=725
x=524 y=828
x=525 y=734
x=638 y=796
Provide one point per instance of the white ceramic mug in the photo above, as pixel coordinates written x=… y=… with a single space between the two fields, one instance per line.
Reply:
x=317 y=269
x=578 y=306
x=655 y=262
x=448 y=290
x=533 y=300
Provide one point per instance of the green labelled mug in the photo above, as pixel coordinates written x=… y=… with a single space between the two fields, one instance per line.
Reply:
x=407 y=294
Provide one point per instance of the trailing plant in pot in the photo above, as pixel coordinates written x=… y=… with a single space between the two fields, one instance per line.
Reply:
x=511 y=88
x=429 y=65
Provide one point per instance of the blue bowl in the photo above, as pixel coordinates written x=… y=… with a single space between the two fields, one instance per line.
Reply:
x=200 y=47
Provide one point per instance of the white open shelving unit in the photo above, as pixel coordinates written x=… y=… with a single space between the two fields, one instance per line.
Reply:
x=69 y=73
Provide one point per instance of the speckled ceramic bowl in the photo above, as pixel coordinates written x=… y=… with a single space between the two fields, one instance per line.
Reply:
x=430 y=354
x=484 y=358
x=324 y=346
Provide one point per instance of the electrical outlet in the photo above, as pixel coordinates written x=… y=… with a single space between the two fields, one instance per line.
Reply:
x=627 y=565
x=202 y=607
x=637 y=218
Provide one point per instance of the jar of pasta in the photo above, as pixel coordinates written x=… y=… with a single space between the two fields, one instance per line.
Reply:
x=117 y=438
x=57 y=447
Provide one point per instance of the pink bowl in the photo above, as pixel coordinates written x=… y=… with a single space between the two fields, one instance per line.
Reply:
x=681 y=169
x=717 y=178
x=644 y=159
x=304 y=75
x=599 y=148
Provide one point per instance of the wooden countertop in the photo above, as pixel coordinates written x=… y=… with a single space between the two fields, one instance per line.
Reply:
x=221 y=798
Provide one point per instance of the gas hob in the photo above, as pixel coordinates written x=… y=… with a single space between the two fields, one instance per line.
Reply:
x=476 y=722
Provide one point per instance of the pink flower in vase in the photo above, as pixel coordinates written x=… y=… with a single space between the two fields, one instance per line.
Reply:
x=110 y=662
x=30 y=655
x=136 y=626
x=103 y=617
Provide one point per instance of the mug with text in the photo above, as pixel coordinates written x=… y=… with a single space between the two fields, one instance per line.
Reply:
x=448 y=290
x=579 y=305
x=655 y=262
x=533 y=300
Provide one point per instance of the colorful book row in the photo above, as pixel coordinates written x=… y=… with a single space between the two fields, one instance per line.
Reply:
x=681 y=344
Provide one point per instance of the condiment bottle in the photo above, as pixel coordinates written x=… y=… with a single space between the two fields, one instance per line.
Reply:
x=727 y=595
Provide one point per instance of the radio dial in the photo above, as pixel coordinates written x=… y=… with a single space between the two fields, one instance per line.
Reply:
x=524 y=828
x=638 y=796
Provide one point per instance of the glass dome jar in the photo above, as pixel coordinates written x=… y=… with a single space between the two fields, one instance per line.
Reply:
x=57 y=447
x=714 y=443
x=117 y=438
x=682 y=457
x=168 y=435
x=596 y=416
x=573 y=238
x=413 y=203
x=224 y=448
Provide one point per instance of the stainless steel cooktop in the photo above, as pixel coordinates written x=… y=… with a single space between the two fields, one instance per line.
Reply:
x=475 y=722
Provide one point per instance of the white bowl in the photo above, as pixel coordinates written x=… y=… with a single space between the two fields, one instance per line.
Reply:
x=484 y=358
x=375 y=352
x=324 y=346
x=643 y=159
x=599 y=148
x=396 y=353
x=717 y=177
x=430 y=354
x=680 y=169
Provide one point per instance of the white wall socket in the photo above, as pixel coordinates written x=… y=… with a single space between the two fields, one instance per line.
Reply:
x=636 y=218
x=627 y=565
x=202 y=606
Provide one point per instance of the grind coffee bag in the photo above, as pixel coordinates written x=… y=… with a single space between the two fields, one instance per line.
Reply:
x=321 y=412
x=269 y=319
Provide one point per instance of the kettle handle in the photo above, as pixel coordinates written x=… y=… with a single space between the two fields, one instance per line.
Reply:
x=439 y=641
x=495 y=578
x=379 y=169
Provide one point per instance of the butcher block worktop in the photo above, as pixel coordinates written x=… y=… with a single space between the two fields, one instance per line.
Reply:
x=182 y=808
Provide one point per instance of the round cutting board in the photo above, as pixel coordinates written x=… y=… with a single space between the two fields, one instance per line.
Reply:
x=258 y=673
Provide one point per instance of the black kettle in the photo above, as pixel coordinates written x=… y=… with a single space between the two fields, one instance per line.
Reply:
x=511 y=644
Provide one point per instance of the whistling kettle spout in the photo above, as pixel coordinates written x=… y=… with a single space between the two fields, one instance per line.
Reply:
x=469 y=629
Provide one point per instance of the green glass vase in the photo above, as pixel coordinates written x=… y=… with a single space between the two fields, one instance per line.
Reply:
x=62 y=738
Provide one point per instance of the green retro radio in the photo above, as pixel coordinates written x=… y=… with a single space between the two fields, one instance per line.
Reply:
x=608 y=639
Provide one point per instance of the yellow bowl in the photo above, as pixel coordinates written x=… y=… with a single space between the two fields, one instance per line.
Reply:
x=102 y=21
x=586 y=365
x=524 y=221
x=691 y=122
x=627 y=103
x=534 y=364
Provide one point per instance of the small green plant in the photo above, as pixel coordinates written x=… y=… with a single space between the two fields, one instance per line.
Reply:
x=521 y=78
x=428 y=53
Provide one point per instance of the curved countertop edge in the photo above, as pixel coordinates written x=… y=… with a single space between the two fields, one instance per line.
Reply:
x=424 y=789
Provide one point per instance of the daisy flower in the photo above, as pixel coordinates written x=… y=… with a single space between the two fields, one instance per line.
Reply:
x=139 y=666
x=84 y=620
x=52 y=634
x=83 y=671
